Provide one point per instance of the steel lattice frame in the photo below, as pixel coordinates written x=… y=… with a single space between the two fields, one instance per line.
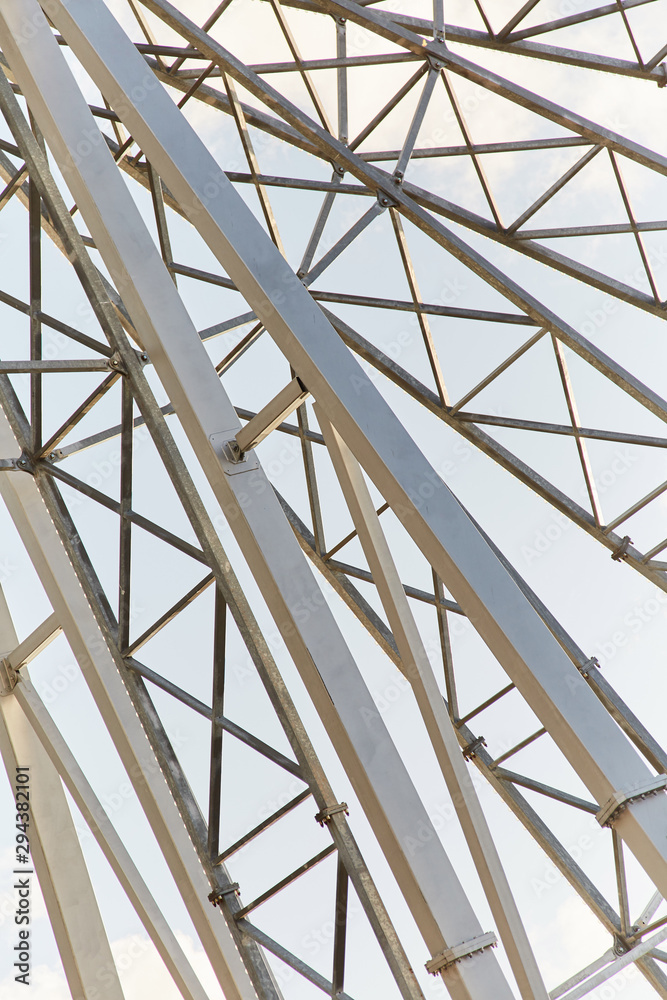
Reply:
x=92 y=111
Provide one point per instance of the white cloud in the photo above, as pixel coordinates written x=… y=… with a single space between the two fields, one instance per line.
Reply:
x=45 y=984
x=570 y=941
x=142 y=974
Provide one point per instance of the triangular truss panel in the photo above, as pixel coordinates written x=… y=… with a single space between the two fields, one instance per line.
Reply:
x=332 y=415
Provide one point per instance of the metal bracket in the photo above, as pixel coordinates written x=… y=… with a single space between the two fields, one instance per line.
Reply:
x=218 y=895
x=622 y=550
x=450 y=956
x=470 y=749
x=663 y=82
x=9 y=677
x=619 y=801
x=326 y=814
x=116 y=365
x=221 y=442
x=586 y=667
x=24 y=463
x=233 y=451
x=620 y=947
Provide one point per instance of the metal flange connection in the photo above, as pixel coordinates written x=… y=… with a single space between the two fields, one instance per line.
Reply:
x=621 y=551
x=619 y=801
x=116 y=365
x=218 y=895
x=24 y=463
x=471 y=748
x=589 y=665
x=325 y=815
x=450 y=956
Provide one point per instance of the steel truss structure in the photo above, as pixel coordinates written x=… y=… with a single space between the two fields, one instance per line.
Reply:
x=121 y=122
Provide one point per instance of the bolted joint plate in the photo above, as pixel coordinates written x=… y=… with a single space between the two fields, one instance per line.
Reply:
x=621 y=551
x=471 y=748
x=592 y=663
x=619 y=801
x=218 y=895
x=326 y=814
x=232 y=463
x=450 y=956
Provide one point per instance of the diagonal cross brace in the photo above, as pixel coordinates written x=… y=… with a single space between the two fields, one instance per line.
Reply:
x=505 y=619
x=376 y=770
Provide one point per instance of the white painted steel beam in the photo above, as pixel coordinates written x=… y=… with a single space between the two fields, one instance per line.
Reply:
x=40 y=538
x=33 y=644
x=416 y=666
x=55 y=851
x=412 y=202
x=579 y=724
x=400 y=821
x=110 y=843
x=236 y=602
